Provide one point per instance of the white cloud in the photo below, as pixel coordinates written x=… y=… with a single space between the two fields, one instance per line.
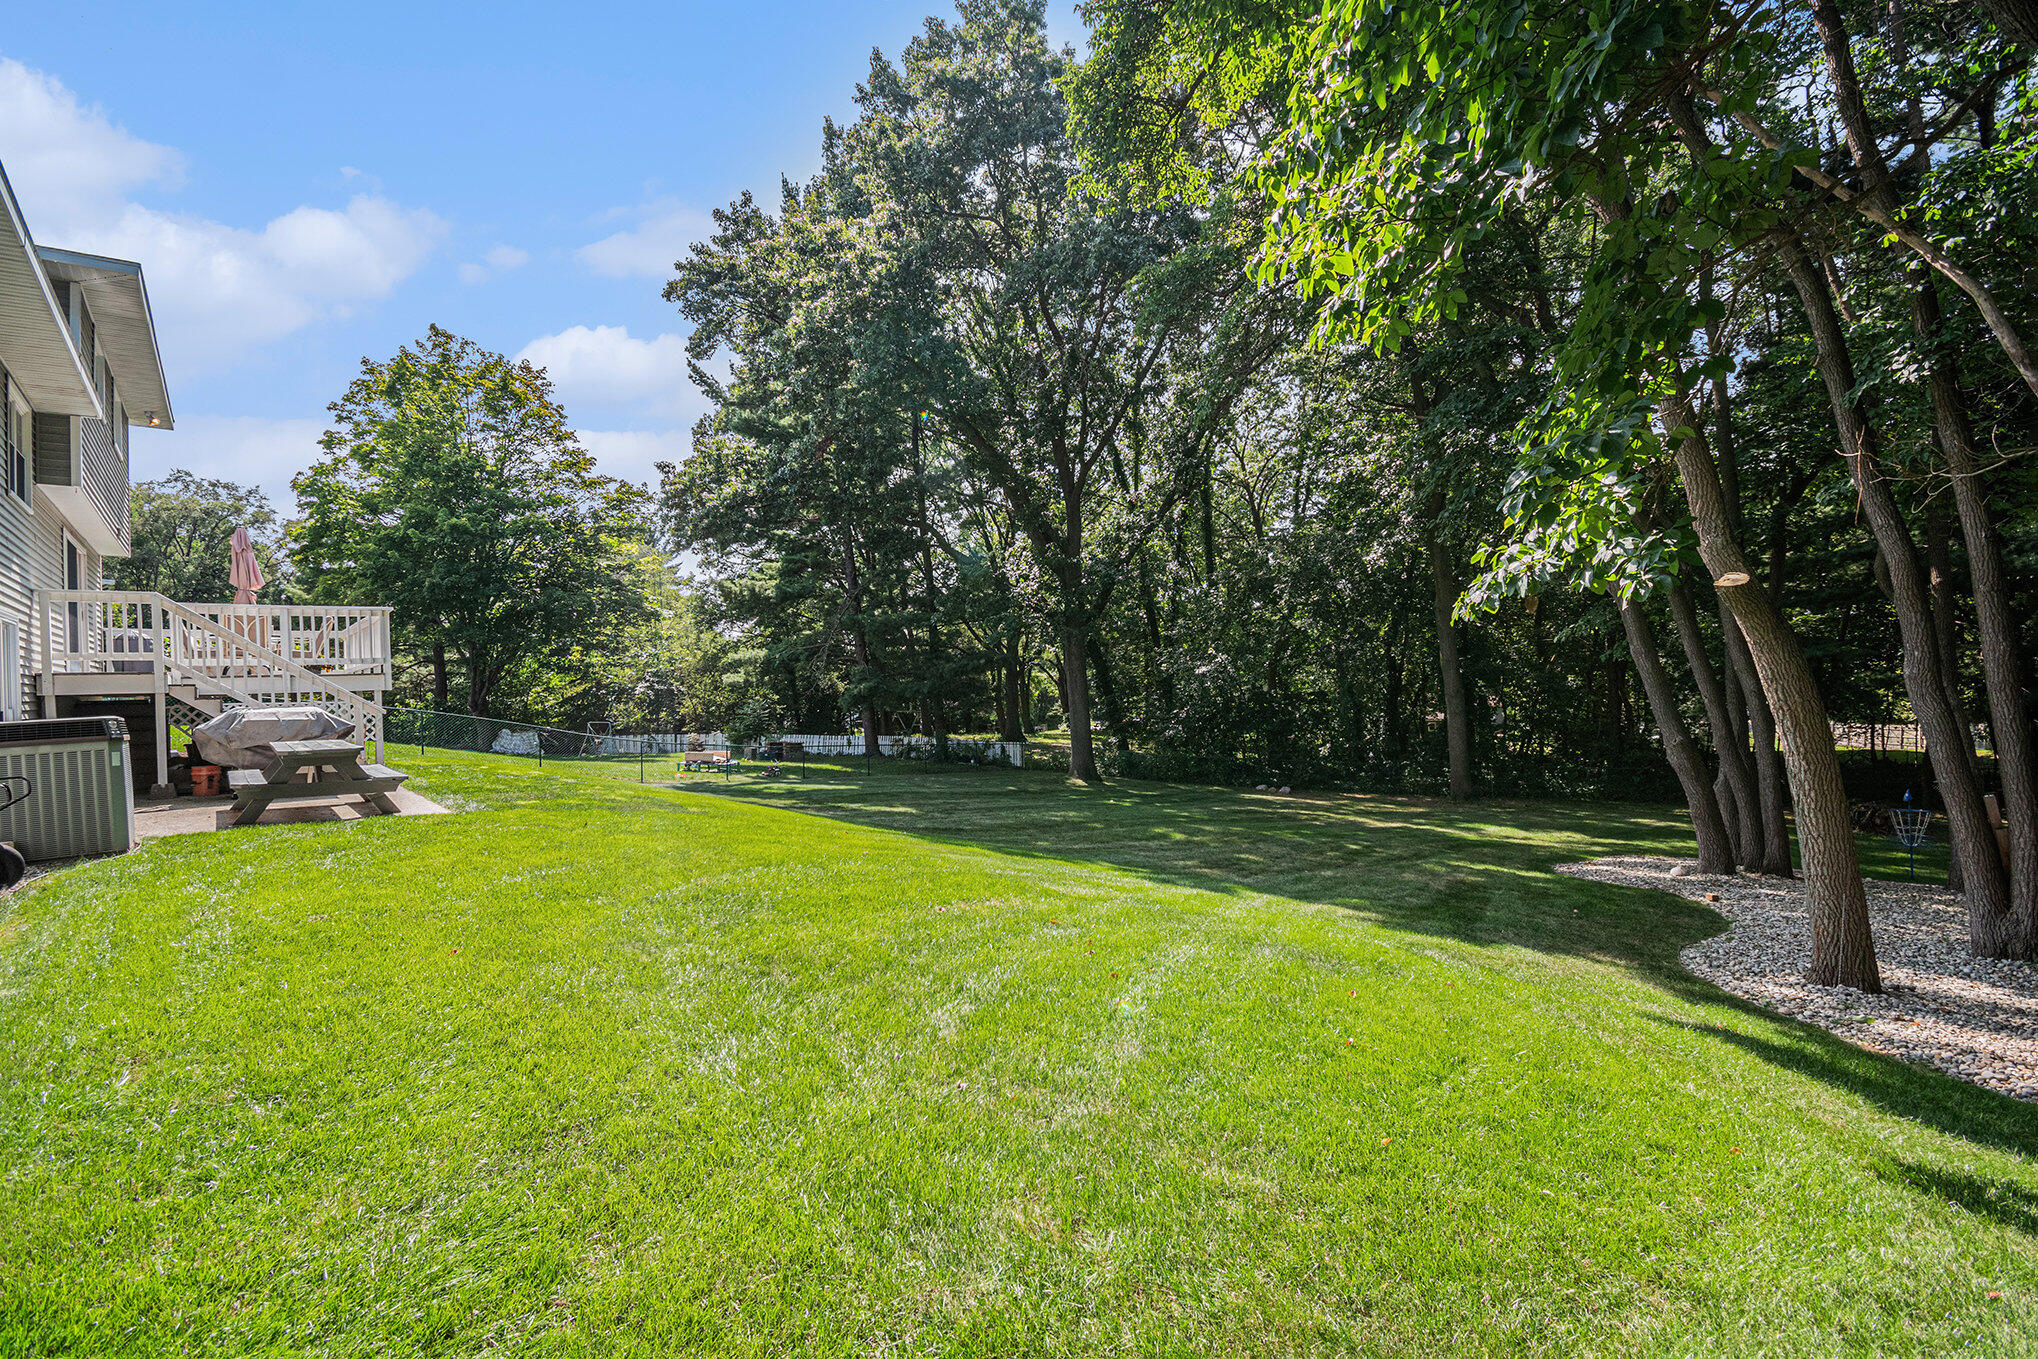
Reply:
x=217 y=290
x=247 y=449
x=267 y=453
x=649 y=249
x=69 y=162
x=498 y=259
x=634 y=454
x=605 y=366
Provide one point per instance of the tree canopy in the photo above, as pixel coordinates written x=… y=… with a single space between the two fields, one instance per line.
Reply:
x=1570 y=399
x=452 y=488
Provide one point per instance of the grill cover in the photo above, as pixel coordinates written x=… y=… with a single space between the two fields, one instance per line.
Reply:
x=240 y=738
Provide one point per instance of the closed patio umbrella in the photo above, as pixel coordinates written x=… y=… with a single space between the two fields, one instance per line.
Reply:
x=246 y=573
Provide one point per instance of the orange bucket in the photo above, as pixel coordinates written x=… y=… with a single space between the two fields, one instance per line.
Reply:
x=205 y=780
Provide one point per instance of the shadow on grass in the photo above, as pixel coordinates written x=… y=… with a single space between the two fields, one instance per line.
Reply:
x=1477 y=873
x=1909 y=1091
x=2001 y=1201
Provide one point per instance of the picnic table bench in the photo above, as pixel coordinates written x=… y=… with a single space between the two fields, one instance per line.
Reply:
x=694 y=760
x=312 y=769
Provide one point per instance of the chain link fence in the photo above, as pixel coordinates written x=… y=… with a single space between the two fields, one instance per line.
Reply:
x=650 y=753
x=617 y=752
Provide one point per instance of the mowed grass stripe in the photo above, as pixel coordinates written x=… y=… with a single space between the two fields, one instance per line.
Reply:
x=597 y=1069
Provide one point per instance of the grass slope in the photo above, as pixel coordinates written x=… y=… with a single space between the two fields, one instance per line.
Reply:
x=972 y=1062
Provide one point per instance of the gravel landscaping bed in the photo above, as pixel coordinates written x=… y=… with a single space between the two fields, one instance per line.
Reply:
x=1975 y=1018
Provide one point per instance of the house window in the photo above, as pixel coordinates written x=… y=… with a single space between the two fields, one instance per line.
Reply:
x=13 y=441
x=74 y=612
x=12 y=681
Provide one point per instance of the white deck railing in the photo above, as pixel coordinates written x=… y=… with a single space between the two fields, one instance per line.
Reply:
x=245 y=653
x=122 y=631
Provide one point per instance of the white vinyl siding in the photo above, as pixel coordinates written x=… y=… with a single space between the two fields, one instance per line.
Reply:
x=31 y=557
x=13 y=702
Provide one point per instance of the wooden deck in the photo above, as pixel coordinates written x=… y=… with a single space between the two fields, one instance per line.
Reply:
x=200 y=659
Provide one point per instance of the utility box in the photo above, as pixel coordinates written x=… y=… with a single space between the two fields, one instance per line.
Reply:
x=81 y=799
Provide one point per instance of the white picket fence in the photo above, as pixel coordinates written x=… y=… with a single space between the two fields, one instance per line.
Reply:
x=833 y=743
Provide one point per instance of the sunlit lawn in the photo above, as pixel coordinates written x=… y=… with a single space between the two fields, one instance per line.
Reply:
x=971 y=1062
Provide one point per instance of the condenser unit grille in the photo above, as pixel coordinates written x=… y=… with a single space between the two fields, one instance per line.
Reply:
x=82 y=800
x=37 y=730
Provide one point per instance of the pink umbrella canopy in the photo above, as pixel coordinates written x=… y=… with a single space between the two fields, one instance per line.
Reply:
x=246 y=573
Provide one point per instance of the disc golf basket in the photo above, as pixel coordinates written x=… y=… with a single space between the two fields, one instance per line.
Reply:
x=1913 y=825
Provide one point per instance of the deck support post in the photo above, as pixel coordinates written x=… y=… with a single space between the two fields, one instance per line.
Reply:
x=162 y=786
x=47 y=644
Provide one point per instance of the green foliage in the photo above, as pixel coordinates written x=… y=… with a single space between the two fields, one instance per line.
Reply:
x=182 y=530
x=452 y=488
x=1583 y=508
x=661 y=667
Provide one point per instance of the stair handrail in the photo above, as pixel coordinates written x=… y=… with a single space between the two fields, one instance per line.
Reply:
x=198 y=679
x=360 y=707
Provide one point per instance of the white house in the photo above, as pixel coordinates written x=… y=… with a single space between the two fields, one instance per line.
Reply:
x=78 y=367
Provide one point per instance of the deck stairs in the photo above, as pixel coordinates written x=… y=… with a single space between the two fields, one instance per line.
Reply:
x=201 y=659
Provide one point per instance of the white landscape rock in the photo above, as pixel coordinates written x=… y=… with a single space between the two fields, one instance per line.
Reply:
x=1974 y=1018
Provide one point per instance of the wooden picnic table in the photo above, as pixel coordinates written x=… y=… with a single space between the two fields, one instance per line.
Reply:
x=312 y=769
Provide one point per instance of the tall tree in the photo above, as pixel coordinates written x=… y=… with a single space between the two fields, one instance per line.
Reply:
x=1006 y=294
x=451 y=487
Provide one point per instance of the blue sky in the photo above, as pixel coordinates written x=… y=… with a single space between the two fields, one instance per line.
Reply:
x=308 y=184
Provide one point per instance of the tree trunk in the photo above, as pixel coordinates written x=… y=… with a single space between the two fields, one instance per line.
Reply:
x=1164 y=678
x=1772 y=789
x=1012 y=715
x=1390 y=710
x=1715 y=847
x=1457 y=710
x=1754 y=725
x=859 y=639
x=1946 y=627
x=442 y=689
x=477 y=686
x=1843 y=950
x=1991 y=930
x=935 y=704
x=1945 y=608
x=1996 y=623
x=2017 y=18
x=1735 y=773
x=1076 y=684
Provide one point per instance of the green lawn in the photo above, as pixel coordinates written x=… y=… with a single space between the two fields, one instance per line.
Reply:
x=971 y=1062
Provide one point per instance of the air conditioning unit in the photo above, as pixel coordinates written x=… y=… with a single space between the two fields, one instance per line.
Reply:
x=82 y=800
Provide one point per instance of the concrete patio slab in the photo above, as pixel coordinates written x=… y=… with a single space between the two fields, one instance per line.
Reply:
x=155 y=817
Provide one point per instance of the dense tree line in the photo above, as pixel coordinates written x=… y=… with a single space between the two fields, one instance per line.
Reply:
x=1458 y=396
